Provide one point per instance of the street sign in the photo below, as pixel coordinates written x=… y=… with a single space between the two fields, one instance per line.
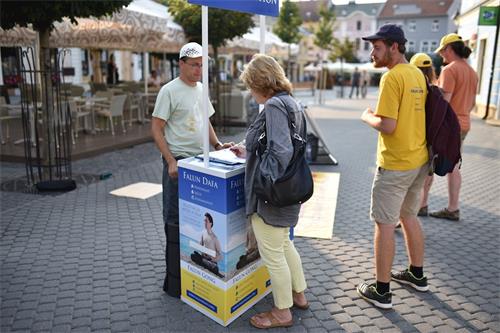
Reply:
x=261 y=7
x=488 y=15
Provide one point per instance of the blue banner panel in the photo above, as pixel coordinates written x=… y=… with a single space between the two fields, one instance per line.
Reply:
x=244 y=300
x=261 y=7
x=202 y=301
x=219 y=194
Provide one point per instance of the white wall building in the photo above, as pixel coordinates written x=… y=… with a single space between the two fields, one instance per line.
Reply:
x=482 y=41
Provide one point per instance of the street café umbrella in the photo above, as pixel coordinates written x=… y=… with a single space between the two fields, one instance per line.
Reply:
x=312 y=68
x=142 y=26
x=251 y=41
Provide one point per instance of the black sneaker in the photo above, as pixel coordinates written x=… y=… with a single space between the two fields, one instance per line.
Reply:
x=406 y=277
x=370 y=294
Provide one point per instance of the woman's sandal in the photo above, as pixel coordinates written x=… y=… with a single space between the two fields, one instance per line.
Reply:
x=301 y=307
x=272 y=319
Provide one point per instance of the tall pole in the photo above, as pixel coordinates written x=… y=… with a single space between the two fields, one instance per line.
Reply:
x=205 y=101
x=495 y=47
x=145 y=66
x=262 y=46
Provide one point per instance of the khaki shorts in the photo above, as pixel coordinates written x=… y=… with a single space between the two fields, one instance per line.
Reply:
x=396 y=194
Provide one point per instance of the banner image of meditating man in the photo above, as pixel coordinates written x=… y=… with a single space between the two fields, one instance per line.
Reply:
x=209 y=241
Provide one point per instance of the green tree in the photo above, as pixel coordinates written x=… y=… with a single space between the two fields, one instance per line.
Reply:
x=42 y=15
x=343 y=51
x=223 y=26
x=287 y=26
x=323 y=38
x=323 y=34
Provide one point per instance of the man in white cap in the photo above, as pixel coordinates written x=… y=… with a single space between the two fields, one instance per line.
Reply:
x=176 y=127
x=458 y=81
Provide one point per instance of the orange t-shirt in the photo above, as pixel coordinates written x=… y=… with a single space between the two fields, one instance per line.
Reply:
x=459 y=79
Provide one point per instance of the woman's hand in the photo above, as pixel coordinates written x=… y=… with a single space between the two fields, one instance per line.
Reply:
x=220 y=146
x=239 y=151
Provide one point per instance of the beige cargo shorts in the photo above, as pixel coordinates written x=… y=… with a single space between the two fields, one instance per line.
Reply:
x=396 y=194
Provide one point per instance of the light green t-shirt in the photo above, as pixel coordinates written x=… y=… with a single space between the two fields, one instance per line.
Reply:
x=180 y=106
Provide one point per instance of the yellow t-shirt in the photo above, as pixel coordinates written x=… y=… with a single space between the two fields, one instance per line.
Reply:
x=402 y=97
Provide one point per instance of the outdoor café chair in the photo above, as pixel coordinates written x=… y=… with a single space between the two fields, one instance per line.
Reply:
x=115 y=110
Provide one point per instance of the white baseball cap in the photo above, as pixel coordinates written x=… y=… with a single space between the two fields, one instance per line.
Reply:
x=191 y=50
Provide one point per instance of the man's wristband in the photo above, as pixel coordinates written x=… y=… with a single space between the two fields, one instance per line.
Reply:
x=218 y=145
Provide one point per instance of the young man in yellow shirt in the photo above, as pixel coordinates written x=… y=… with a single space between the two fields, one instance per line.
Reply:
x=401 y=165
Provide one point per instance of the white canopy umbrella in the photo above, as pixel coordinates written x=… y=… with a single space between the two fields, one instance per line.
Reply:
x=338 y=66
x=312 y=68
x=368 y=66
x=251 y=40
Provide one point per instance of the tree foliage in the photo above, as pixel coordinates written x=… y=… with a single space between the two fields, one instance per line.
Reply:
x=323 y=36
x=43 y=14
x=224 y=24
x=289 y=21
x=343 y=51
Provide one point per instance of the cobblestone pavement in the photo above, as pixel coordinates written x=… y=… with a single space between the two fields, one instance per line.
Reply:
x=87 y=261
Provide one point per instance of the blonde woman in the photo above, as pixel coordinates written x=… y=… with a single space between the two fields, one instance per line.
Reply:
x=268 y=85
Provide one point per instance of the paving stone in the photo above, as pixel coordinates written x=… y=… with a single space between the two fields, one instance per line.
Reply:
x=342 y=318
x=90 y=262
x=351 y=327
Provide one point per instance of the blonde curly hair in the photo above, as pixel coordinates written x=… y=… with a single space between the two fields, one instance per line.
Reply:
x=265 y=76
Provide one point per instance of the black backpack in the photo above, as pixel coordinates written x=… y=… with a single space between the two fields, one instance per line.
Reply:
x=442 y=133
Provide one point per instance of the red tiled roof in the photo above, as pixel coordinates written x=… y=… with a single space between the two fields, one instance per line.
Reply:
x=405 y=8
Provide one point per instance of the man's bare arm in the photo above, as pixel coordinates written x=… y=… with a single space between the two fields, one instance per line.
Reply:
x=157 y=131
x=214 y=141
x=381 y=124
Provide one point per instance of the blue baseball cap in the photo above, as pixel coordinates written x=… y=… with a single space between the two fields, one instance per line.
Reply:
x=389 y=32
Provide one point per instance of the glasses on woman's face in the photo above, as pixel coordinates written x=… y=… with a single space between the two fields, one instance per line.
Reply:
x=194 y=65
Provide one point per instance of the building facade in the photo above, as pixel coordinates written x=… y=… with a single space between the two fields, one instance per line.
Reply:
x=309 y=53
x=353 y=21
x=424 y=22
x=481 y=39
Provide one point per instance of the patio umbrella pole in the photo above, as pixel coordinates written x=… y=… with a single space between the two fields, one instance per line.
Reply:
x=145 y=66
x=204 y=43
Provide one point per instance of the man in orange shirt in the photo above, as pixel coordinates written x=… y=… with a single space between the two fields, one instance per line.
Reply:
x=458 y=81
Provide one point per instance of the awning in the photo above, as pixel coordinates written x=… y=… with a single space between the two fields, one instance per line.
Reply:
x=142 y=26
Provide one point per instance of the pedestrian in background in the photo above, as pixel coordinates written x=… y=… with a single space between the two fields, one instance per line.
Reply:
x=154 y=80
x=111 y=71
x=176 y=128
x=269 y=86
x=401 y=165
x=365 y=82
x=356 y=76
x=458 y=82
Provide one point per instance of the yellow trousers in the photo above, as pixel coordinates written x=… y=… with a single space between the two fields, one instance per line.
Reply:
x=282 y=261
